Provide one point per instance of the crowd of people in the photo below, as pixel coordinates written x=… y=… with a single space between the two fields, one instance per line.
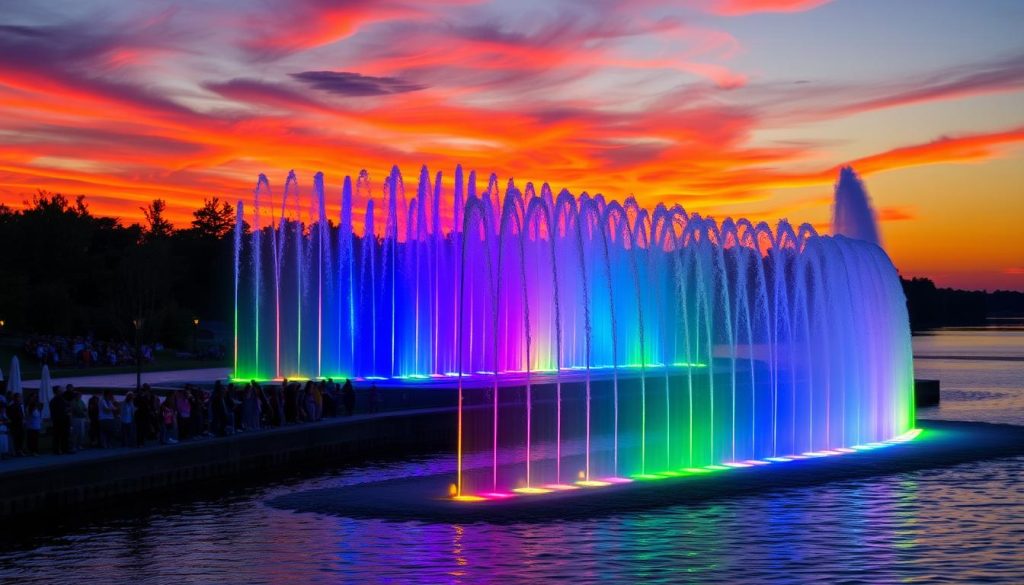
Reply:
x=56 y=350
x=103 y=421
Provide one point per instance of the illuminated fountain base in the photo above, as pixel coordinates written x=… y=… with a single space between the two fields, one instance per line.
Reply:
x=932 y=444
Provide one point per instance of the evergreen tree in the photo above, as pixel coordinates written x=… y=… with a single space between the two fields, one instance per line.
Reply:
x=159 y=227
x=214 y=219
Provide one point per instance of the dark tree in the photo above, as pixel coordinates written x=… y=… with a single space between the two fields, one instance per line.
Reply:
x=75 y=274
x=159 y=227
x=215 y=219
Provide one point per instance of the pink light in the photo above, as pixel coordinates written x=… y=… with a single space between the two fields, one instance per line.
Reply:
x=498 y=495
x=617 y=480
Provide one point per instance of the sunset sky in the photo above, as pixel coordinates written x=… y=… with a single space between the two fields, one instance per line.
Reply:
x=730 y=107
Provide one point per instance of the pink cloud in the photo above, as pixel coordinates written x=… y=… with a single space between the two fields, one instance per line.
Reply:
x=743 y=7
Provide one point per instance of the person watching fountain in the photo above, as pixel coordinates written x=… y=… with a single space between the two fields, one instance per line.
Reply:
x=5 y=443
x=143 y=414
x=33 y=426
x=128 y=420
x=93 y=408
x=60 y=419
x=79 y=418
x=107 y=420
x=348 y=396
x=168 y=421
x=16 y=415
x=183 y=408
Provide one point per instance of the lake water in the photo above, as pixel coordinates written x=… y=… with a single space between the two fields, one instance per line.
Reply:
x=958 y=524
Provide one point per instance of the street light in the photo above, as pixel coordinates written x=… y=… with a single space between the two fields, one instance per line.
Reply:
x=137 y=322
x=195 y=329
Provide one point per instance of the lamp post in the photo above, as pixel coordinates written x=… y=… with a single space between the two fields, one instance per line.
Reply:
x=137 y=322
x=195 y=330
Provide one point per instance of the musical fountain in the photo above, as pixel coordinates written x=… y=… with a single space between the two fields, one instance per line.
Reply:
x=592 y=342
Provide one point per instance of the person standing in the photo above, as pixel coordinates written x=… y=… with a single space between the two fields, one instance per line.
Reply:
x=318 y=401
x=128 y=420
x=309 y=401
x=168 y=419
x=33 y=426
x=348 y=396
x=79 y=416
x=16 y=414
x=108 y=422
x=288 y=390
x=250 y=409
x=143 y=403
x=183 y=408
x=60 y=420
x=218 y=411
x=94 y=420
x=5 y=443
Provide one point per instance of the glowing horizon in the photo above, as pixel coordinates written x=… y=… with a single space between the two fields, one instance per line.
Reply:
x=728 y=107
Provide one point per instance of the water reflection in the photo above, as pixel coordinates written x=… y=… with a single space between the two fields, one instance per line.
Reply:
x=959 y=524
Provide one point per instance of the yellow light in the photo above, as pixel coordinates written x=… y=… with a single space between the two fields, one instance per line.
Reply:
x=469 y=499
x=592 y=483
x=530 y=491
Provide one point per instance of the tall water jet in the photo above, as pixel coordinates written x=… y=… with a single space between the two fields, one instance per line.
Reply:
x=852 y=214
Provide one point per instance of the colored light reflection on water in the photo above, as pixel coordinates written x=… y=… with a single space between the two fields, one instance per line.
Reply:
x=672 y=474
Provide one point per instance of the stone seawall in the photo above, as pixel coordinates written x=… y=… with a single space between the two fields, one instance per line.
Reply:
x=95 y=478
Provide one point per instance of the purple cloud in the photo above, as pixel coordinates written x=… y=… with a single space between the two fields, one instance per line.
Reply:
x=353 y=84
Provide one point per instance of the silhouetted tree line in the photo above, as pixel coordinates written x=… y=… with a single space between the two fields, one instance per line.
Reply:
x=65 y=271
x=930 y=306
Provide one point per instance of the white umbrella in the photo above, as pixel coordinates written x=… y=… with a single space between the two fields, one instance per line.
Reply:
x=14 y=383
x=45 y=391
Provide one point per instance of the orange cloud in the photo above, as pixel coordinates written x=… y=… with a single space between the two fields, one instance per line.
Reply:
x=942 y=150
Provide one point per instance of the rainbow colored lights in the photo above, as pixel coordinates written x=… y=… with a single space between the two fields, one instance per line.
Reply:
x=683 y=473
x=592 y=342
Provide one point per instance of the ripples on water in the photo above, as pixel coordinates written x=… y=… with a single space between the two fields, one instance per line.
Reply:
x=958 y=524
